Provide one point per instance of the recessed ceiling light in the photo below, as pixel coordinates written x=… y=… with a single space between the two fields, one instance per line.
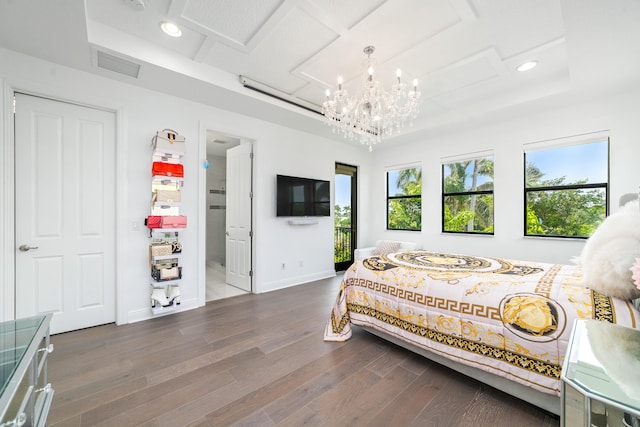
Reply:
x=526 y=66
x=171 y=29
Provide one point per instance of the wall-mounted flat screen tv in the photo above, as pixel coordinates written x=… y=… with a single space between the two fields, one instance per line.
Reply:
x=302 y=196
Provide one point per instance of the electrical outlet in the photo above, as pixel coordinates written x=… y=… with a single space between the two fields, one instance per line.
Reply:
x=283 y=266
x=301 y=263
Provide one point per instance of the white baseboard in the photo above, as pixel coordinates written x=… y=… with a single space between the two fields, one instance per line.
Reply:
x=294 y=281
x=146 y=313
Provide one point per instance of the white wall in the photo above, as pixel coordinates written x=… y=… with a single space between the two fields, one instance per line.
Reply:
x=298 y=154
x=306 y=251
x=618 y=114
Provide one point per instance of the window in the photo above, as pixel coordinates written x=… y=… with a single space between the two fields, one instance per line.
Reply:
x=404 y=199
x=467 y=196
x=566 y=189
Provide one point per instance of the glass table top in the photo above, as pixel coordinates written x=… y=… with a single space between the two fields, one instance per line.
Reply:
x=605 y=361
x=15 y=337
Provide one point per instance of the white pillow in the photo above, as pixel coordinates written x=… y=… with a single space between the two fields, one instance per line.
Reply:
x=386 y=247
x=611 y=251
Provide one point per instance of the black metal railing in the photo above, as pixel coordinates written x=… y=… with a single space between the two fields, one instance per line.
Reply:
x=342 y=244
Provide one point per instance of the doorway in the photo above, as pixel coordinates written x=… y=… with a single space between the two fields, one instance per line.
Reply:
x=219 y=196
x=345 y=219
x=65 y=212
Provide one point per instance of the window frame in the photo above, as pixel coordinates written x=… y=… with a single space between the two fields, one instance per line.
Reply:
x=466 y=193
x=389 y=198
x=565 y=187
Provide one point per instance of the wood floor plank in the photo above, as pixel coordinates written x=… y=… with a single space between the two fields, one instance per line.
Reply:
x=199 y=423
x=211 y=375
x=387 y=362
x=75 y=407
x=160 y=402
x=294 y=390
x=284 y=360
x=416 y=364
x=230 y=357
x=258 y=418
x=87 y=387
x=489 y=406
x=249 y=377
x=340 y=398
x=364 y=408
x=259 y=360
x=448 y=406
x=302 y=417
x=82 y=376
x=406 y=406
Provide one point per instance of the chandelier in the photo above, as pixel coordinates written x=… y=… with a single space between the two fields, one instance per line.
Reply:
x=373 y=113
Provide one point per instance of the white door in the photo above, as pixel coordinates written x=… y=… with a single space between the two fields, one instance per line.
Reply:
x=238 y=238
x=65 y=213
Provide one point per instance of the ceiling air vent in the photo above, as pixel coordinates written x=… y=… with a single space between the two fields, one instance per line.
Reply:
x=116 y=64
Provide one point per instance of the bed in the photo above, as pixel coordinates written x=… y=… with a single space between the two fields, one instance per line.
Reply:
x=503 y=322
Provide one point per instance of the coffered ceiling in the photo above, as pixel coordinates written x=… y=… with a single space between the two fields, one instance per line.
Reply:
x=463 y=52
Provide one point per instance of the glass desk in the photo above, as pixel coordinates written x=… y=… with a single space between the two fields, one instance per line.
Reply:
x=601 y=376
x=25 y=394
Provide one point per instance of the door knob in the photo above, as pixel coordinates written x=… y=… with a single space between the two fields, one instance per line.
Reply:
x=26 y=248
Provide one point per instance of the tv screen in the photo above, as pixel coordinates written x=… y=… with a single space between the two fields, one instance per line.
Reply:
x=302 y=196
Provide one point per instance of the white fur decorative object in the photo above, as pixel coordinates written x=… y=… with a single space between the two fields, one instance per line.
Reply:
x=618 y=351
x=610 y=252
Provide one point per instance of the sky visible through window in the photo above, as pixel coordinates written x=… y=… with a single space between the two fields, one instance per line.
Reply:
x=393 y=181
x=577 y=162
x=343 y=190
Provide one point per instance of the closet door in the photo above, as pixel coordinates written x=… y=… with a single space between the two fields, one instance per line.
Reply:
x=65 y=212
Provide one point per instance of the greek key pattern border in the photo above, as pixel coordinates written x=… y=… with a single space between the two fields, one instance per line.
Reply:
x=603 y=308
x=428 y=300
x=545 y=284
x=338 y=327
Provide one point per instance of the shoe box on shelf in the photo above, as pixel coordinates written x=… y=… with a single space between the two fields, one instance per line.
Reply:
x=165 y=222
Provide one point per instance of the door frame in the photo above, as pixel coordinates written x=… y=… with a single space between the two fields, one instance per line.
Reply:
x=354 y=214
x=7 y=198
x=202 y=203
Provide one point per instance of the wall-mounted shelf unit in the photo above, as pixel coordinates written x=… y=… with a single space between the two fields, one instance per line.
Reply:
x=156 y=231
x=166 y=204
x=165 y=248
x=303 y=221
x=167 y=180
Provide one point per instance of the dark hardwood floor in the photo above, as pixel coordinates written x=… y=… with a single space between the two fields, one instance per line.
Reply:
x=259 y=360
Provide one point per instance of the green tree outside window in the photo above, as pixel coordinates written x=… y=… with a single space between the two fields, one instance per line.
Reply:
x=404 y=199
x=566 y=190
x=467 y=196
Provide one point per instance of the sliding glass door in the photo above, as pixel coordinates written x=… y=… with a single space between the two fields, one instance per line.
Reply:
x=345 y=215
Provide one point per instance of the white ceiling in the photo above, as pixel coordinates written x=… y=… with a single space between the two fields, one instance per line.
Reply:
x=464 y=52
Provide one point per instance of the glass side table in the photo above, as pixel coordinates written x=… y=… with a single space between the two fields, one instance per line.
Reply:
x=25 y=392
x=601 y=376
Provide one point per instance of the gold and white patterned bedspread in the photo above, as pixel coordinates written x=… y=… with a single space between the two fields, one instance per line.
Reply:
x=510 y=318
